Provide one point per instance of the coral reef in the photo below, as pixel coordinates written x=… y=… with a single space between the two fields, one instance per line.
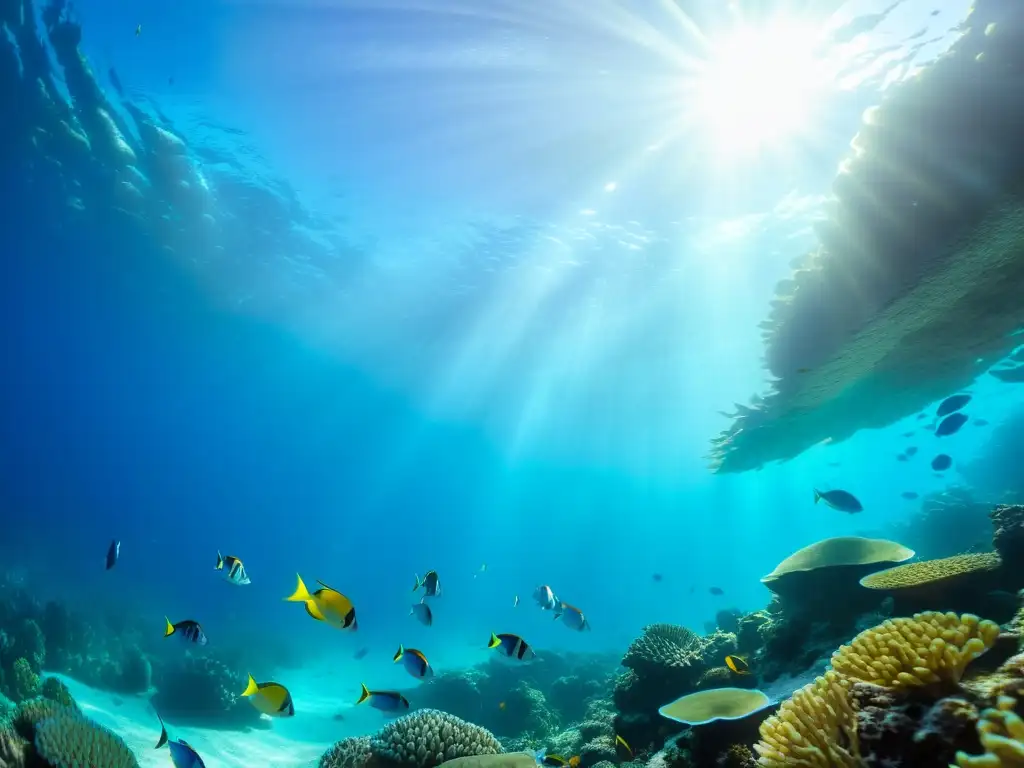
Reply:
x=203 y=690
x=944 y=522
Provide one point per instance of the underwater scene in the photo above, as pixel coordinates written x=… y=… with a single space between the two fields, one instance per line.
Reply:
x=419 y=383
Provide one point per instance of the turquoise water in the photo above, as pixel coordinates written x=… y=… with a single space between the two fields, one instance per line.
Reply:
x=433 y=285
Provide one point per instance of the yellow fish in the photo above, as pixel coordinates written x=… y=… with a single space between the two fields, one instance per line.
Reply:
x=622 y=747
x=326 y=605
x=269 y=698
x=737 y=665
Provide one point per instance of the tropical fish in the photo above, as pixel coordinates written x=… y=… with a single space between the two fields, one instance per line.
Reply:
x=138 y=30
x=385 y=701
x=716 y=591
x=113 y=552
x=623 y=748
x=233 y=569
x=271 y=699
x=553 y=761
x=512 y=646
x=911 y=450
x=545 y=598
x=188 y=630
x=163 y=733
x=515 y=603
x=950 y=425
x=431 y=584
x=572 y=617
x=942 y=462
x=183 y=756
x=842 y=501
x=414 y=661
x=326 y=605
x=951 y=404
x=422 y=613
x=737 y=664
x=910 y=495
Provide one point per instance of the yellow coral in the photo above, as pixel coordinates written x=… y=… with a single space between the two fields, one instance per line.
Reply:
x=929 y=572
x=929 y=648
x=816 y=728
x=1001 y=732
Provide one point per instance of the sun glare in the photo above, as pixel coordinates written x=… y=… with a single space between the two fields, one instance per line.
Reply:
x=758 y=87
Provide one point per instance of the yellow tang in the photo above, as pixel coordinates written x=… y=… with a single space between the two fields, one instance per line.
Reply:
x=269 y=698
x=326 y=605
x=737 y=665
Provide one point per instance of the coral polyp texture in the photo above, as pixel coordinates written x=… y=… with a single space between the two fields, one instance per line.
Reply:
x=661 y=647
x=71 y=740
x=932 y=572
x=1001 y=732
x=926 y=649
x=910 y=292
x=427 y=738
x=815 y=728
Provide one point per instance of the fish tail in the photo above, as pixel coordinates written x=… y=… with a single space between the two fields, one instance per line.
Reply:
x=416 y=582
x=220 y=562
x=494 y=642
x=364 y=695
x=252 y=687
x=163 y=732
x=301 y=594
x=817 y=496
x=169 y=629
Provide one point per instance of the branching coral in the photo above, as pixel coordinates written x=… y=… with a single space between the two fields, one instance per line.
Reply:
x=816 y=728
x=1001 y=732
x=928 y=648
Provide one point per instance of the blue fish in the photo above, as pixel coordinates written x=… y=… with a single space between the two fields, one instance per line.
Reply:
x=113 y=552
x=572 y=617
x=839 y=500
x=423 y=613
x=950 y=425
x=188 y=630
x=942 y=462
x=951 y=404
x=414 y=661
x=385 y=701
x=183 y=756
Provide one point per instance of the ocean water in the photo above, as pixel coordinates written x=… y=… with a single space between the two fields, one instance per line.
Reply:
x=427 y=284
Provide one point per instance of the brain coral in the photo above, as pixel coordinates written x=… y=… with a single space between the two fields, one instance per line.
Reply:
x=427 y=738
x=816 y=728
x=928 y=648
x=661 y=646
x=1001 y=732
x=71 y=740
x=348 y=753
x=931 y=572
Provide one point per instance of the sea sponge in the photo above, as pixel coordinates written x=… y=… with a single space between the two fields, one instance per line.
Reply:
x=661 y=646
x=717 y=704
x=931 y=572
x=1001 y=732
x=429 y=737
x=815 y=728
x=70 y=740
x=928 y=648
x=839 y=551
x=353 y=752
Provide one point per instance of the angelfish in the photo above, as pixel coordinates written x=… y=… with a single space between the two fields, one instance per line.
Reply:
x=234 y=570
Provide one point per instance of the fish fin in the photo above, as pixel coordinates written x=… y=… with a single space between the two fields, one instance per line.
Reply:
x=494 y=641
x=313 y=610
x=365 y=694
x=301 y=594
x=252 y=688
x=220 y=561
x=817 y=496
x=416 y=582
x=169 y=629
x=539 y=756
x=163 y=733
x=399 y=652
x=328 y=586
